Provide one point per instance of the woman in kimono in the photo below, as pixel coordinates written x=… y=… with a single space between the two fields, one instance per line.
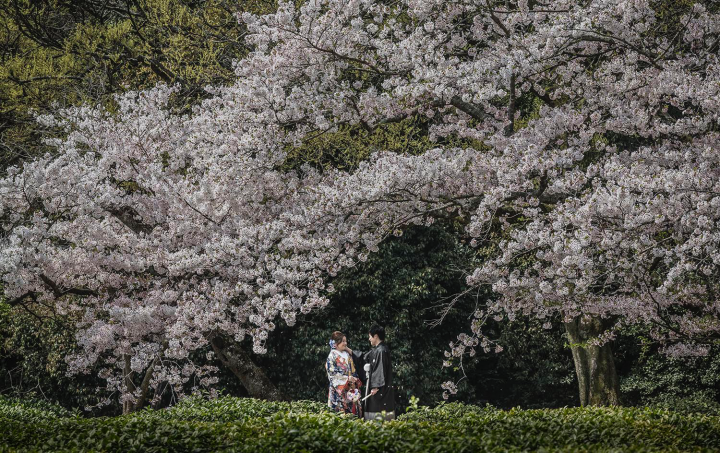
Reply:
x=344 y=393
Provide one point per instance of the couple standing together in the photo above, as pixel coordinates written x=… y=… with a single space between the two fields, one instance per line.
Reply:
x=343 y=365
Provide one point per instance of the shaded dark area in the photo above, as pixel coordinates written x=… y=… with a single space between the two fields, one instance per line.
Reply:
x=401 y=287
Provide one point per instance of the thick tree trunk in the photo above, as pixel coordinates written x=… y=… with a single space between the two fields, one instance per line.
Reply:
x=594 y=365
x=252 y=377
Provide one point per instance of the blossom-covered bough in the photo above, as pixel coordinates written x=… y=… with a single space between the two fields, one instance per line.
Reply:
x=591 y=134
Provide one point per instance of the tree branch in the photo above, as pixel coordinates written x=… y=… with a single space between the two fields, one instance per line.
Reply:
x=471 y=109
x=59 y=292
x=127 y=215
x=145 y=385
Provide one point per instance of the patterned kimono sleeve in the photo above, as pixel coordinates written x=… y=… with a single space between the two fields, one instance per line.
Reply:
x=353 y=371
x=334 y=372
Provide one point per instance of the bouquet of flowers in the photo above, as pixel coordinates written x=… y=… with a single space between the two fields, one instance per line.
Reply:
x=353 y=395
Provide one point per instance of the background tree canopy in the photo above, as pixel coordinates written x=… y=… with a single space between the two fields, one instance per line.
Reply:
x=61 y=53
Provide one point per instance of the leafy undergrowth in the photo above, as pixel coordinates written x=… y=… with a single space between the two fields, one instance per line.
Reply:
x=246 y=425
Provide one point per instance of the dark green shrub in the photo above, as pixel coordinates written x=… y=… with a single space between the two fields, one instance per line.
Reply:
x=229 y=409
x=307 y=426
x=687 y=385
x=32 y=410
x=444 y=412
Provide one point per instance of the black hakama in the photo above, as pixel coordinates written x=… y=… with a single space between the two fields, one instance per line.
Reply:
x=381 y=378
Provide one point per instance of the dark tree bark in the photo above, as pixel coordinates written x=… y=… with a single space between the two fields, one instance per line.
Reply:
x=594 y=365
x=129 y=384
x=510 y=128
x=252 y=377
x=145 y=385
x=129 y=406
x=157 y=401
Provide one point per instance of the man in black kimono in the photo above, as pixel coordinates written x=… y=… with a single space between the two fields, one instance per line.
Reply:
x=382 y=395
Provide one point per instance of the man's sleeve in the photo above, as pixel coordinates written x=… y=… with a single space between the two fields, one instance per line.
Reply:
x=377 y=376
x=359 y=361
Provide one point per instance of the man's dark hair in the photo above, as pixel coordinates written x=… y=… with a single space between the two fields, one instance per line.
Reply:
x=377 y=330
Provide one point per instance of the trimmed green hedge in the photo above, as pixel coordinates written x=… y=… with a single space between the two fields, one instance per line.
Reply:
x=245 y=425
x=31 y=411
x=228 y=409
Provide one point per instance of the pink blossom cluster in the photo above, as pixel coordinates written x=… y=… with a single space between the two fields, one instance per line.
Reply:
x=163 y=230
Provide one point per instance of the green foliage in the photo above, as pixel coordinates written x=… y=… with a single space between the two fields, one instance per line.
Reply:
x=698 y=402
x=687 y=385
x=32 y=359
x=229 y=409
x=287 y=427
x=350 y=145
x=31 y=410
x=444 y=412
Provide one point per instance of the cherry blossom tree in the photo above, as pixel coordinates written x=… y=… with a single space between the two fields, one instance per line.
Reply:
x=578 y=141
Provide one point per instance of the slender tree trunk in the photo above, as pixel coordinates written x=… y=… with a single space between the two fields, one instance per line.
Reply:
x=252 y=377
x=157 y=397
x=145 y=385
x=129 y=384
x=129 y=406
x=510 y=128
x=594 y=365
